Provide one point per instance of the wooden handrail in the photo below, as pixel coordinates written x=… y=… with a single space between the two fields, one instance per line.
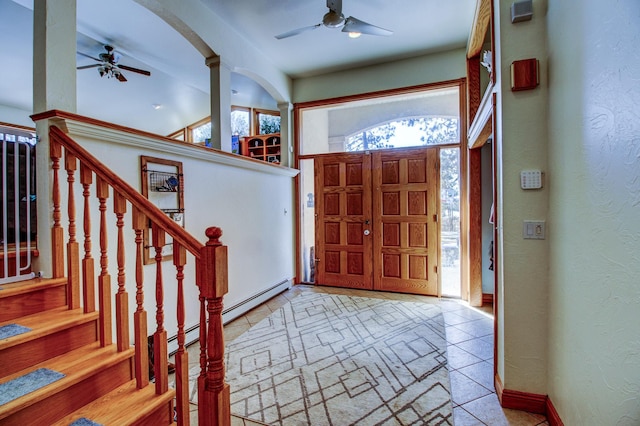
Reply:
x=210 y=276
x=131 y=194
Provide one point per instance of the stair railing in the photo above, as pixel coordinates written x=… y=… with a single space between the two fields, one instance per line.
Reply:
x=211 y=278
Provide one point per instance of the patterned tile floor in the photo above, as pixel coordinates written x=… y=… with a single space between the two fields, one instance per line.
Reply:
x=470 y=350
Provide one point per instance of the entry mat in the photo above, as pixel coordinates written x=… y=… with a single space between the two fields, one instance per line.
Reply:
x=84 y=422
x=11 y=330
x=28 y=383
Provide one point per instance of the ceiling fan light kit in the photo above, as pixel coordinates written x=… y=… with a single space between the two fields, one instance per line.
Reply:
x=334 y=18
x=108 y=65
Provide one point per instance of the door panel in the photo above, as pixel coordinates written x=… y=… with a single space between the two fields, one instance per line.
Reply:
x=405 y=201
x=343 y=205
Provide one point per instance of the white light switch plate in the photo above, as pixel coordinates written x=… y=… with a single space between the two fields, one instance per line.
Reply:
x=534 y=230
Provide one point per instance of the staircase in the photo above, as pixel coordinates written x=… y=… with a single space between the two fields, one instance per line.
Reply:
x=64 y=358
x=98 y=383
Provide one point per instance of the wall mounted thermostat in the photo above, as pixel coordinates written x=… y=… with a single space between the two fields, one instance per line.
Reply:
x=531 y=179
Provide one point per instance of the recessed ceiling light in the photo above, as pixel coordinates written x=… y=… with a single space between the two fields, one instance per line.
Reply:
x=354 y=34
x=156 y=106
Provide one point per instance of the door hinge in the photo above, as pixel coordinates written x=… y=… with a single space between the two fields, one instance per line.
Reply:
x=435 y=269
x=435 y=217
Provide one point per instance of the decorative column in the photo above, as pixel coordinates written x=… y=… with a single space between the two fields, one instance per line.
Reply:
x=54 y=55
x=220 y=103
x=286 y=136
x=54 y=87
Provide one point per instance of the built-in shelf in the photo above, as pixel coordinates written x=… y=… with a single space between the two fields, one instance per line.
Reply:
x=481 y=126
x=262 y=147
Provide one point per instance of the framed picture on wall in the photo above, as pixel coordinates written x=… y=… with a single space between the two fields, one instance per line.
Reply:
x=163 y=185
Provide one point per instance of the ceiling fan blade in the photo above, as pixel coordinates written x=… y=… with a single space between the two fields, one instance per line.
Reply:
x=88 y=56
x=139 y=71
x=120 y=77
x=335 y=6
x=84 y=67
x=355 y=25
x=296 y=32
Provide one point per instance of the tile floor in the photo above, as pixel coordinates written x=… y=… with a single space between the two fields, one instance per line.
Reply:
x=470 y=350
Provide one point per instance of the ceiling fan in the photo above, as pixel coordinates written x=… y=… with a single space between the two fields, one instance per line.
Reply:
x=108 y=65
x=335 y=19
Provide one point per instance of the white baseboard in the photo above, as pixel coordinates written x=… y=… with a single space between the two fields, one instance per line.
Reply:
x=192 y=334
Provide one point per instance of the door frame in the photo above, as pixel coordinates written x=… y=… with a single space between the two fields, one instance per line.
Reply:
x=464 y=215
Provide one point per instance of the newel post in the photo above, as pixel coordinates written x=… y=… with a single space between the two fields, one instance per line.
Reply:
x=213 y=393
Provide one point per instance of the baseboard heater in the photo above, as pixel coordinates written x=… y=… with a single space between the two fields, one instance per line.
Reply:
x=192 y=334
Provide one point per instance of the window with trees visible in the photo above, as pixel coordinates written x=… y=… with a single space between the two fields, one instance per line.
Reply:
x=242 y=124
x=240 y=121
x=201 y=132
x=268 y=122
x=405 y=133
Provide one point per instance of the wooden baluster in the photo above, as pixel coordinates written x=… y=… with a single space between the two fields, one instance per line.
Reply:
x=104 y=280
x=122 y=297
x=140 y=315
x=88 y=268
x=57 y=234
x=203 y=352
x=73 y=248
x=160 y=336
x=214 y=285
x=182 y=356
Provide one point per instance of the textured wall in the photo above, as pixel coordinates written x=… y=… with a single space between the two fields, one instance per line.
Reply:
x=521 y=143
x=594 y=151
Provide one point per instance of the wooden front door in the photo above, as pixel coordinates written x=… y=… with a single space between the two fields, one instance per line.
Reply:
x=343 y=218
x=405 y=200
x=375 y=220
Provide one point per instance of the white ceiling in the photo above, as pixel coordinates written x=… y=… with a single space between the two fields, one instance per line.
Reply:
x=419 y=27
x=179 y=80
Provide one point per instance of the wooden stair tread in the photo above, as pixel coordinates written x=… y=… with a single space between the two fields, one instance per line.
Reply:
x=46 y=322
x=122 y=406
x=22 y=287
x=76 y=365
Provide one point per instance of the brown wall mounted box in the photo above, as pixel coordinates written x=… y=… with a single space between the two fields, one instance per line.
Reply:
x=524 y=74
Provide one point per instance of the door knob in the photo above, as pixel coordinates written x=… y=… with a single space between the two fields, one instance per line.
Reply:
x=367 y=232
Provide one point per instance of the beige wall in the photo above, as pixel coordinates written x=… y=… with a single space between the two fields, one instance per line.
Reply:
x=521 y=142
x=433 y=68
x=594 y=161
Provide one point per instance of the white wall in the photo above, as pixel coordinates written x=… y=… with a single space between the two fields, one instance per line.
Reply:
x=15 y=116
x=315 y=132
x=252 y=203
x=208 y=32
x=594 y=152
